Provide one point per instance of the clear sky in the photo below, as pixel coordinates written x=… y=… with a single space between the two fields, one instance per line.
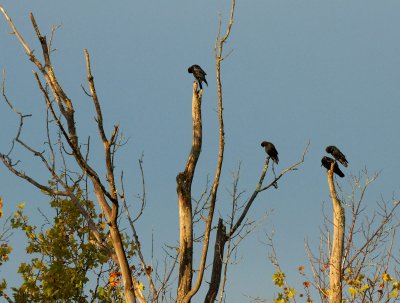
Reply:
x=327 y=72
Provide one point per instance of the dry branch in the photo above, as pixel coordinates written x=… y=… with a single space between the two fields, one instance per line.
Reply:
x=259 y=188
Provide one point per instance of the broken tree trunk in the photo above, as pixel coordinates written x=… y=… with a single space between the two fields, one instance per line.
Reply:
x=184 y=186
x=335 y=264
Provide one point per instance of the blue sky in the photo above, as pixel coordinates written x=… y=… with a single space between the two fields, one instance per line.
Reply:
x=327 y=72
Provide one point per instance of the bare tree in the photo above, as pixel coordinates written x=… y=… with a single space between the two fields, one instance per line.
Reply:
x=358 y=260
x=184 y=183
x=355 y=262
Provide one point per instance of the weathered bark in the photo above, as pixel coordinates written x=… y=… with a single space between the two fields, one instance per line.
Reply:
x=219 y=247
x=184 y=187
x=335 y=266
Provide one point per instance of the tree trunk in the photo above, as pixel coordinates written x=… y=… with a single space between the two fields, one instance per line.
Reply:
x=129 y=292
x=220 y=241
x=335 y=266
x=184 y=186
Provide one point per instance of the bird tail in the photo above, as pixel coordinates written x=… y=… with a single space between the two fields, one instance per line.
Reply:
x=205 y=81
x=339 y=172
x=201 y=87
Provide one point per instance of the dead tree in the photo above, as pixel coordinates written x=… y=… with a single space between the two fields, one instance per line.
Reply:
x=184 y=182
x=184 y=186
x=335 y=264
x=342 y=268
x=185 y=289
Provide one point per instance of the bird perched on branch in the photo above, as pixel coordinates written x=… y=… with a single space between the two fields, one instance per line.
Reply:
x=199 y=74
x=337 y=154
x=326 y=162
x=271 y=151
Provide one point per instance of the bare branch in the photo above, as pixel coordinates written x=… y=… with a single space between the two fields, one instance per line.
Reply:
x=95 y=98
x=259 y=189
x=15 y=32
x=145 y=268
x=290 y=168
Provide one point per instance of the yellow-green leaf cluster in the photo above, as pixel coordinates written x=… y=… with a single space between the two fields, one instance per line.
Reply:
x=287 y=293
x=278 y=278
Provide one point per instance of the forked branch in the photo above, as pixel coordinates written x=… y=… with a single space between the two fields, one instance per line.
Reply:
x=259 y=187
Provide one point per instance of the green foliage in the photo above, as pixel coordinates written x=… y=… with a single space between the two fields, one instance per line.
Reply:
x=5 y=248
x=286 y=294
x=65 y=261
x=361 y=287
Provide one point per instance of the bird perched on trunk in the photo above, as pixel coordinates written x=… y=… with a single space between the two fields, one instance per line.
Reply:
x=271 y=151
x=199 y=74
x=326 y=162
x=337 y=154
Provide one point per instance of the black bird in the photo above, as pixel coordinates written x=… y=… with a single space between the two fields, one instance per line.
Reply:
x=199 y=74
x=271 y=151
x=326 y=162
x=337 y=154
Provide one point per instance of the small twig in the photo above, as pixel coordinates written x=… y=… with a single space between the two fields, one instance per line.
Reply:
x=54 y=28
x=86 y=93
x=143 y=196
